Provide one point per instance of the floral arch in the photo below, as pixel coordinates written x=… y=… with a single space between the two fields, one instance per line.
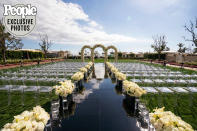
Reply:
x=115 y=53
x=82 y=51
x=104 y=49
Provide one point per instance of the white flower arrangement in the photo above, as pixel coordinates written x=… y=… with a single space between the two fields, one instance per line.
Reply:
x=89 y=65
x=34 y=120
x=114 y=70
x=83 y=69
x=78 y=76
x=133 y=89
x=168 y=121
x=120 y=76
x=109 y=65
x=65 y=88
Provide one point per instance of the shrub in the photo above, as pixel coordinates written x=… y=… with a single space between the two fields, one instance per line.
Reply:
x=22 y=54
x=154 y=56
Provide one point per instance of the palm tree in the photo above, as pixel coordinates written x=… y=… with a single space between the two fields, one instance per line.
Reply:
x=7 y=41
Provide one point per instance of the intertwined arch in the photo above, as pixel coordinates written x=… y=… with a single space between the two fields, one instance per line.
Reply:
x=116 y=51
x=104 y=49
x=82 y=51
x=96 y=46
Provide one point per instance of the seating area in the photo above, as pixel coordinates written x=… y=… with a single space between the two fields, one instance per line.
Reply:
x=40 y=78
x=157 y=79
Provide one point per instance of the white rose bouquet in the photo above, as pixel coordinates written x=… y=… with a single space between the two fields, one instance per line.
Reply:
x=83 y=69
x=34 y=120
x=65 y=88
x=168 y=121
x=89 y=65
x=120 y=76
x=133 y=89
x=109 y=65
x=114 y=70
x=78 y=76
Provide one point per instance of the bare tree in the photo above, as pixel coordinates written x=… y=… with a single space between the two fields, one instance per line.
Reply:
x=191 y=28
x=45 y=44
x=182 y=49
x=160 y=44
x=7 y=41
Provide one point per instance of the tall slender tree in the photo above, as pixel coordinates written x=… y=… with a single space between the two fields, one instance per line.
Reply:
x=45 y=44
x=7 y=41
x=160 y=44
x=192 y=29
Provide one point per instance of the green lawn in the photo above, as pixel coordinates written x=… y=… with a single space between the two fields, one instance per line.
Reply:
x=20 y=103
x=183 y=105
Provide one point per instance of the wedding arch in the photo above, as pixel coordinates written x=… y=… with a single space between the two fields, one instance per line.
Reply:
x=104 y=49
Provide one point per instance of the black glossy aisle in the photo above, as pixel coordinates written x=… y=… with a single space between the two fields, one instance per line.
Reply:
x=98 y=108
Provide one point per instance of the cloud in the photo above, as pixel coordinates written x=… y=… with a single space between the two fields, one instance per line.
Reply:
x=61 y=22
x=94 y=24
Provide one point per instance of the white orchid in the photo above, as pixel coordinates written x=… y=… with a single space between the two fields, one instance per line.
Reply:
x=34 y=120
x=168 y=121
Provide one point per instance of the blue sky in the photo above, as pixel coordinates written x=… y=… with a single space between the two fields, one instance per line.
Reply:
x=127 y=24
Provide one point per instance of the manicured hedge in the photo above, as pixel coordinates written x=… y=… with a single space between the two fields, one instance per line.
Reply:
x=21 y=54
x=154 y=56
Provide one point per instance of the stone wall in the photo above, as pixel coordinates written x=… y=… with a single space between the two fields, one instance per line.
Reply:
x=190 y=58
x=179 y=58
x=171 y=57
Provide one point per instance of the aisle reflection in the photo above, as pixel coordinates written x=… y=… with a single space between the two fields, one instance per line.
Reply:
x=135 y=109
x=65 y=107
